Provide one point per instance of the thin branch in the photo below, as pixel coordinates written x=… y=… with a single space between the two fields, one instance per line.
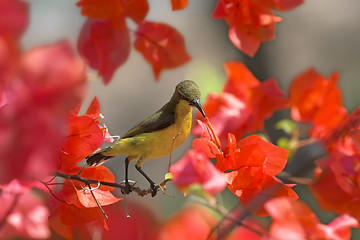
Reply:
x=139 y=191
x=46 y=184
x=97 y=203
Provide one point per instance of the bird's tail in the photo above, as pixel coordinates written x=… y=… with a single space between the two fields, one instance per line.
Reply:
x=97 y=158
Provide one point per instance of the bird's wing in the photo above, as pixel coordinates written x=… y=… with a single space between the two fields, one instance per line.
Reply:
x=155 y=122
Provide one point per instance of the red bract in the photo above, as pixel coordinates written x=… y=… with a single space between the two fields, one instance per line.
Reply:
x=345 y=138
x=192 y=223
x=77 y=205
x=178 y=4
x=196 y=168
x=104 y=47
x=250 y=169
x=13 y=20
x=244 y=103
x=107 y=9
x=104 y=39
x=50 y=82
x=336 y=184
x=114 y=10
x=142 y=223
x=317 y=100
x=161 y=45
x=294 y=220
x=84 y=137
x=251 y=21
x=22 y=213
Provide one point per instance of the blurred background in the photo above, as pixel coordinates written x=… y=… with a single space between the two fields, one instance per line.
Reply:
x=324 y=34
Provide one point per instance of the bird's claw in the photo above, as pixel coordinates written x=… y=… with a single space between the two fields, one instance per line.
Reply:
x=127 y=188
x=153 y=190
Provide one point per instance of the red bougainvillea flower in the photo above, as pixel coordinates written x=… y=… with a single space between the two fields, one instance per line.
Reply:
x=104 y=47
x=314 y=99
x=196 y=168
x=192 y=222
x=104 y=40
x=13 y=20
x=295 y=220
x=84 y=137
x=196 y=222
x=142 y=223
x=161 y=45
x=345 y=138
x=336 y=184
x=178 y=4
x=114 y=10
x=244 y=103
x=250 y=167
x=50 y=81
x=22 y=213
x=251 y=21
x=77 y=205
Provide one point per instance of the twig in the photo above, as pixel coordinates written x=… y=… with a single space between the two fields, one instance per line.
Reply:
x=46 y=184
x=139 y=191
x=97 y=203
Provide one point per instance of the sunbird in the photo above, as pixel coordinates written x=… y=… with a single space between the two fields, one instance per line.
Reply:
x=157 y=135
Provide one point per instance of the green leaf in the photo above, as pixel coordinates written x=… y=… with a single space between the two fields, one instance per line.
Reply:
x=287 y=125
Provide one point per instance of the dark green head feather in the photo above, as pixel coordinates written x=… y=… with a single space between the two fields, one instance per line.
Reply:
x=188 y=90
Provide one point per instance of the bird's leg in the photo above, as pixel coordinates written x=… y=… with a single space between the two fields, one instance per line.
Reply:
x=152 y=184
x=127 y=185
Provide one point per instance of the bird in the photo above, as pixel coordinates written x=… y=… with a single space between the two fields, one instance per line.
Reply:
x=157 y=135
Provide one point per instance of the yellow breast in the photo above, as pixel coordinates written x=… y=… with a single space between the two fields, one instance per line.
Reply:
x=159 y=143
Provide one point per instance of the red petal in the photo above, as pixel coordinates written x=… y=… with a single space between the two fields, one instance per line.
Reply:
x=306 y=95
x=193 y=222
x=247 y=43
x=141 y=225
x=84 y=137
x=227 y=113
x=104 y=9
x=136 y=10
x=105 y=48
x=264 y=100
x=93 y=110
x=161 y=45
x=254 y=151
x=178 y=4
x=239 y=79
x=103 y=197
x=100 y=173
x=294 y=219
x=51 y=82
x=196 y=168
x=282 y=5
x=13 y=18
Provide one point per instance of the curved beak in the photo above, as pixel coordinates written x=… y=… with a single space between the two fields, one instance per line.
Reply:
x=196 y=103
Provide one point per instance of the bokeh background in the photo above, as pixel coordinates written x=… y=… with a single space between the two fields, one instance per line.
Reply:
x=324 y=34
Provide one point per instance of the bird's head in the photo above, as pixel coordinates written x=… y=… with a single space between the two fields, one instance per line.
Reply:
x=189 y=91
